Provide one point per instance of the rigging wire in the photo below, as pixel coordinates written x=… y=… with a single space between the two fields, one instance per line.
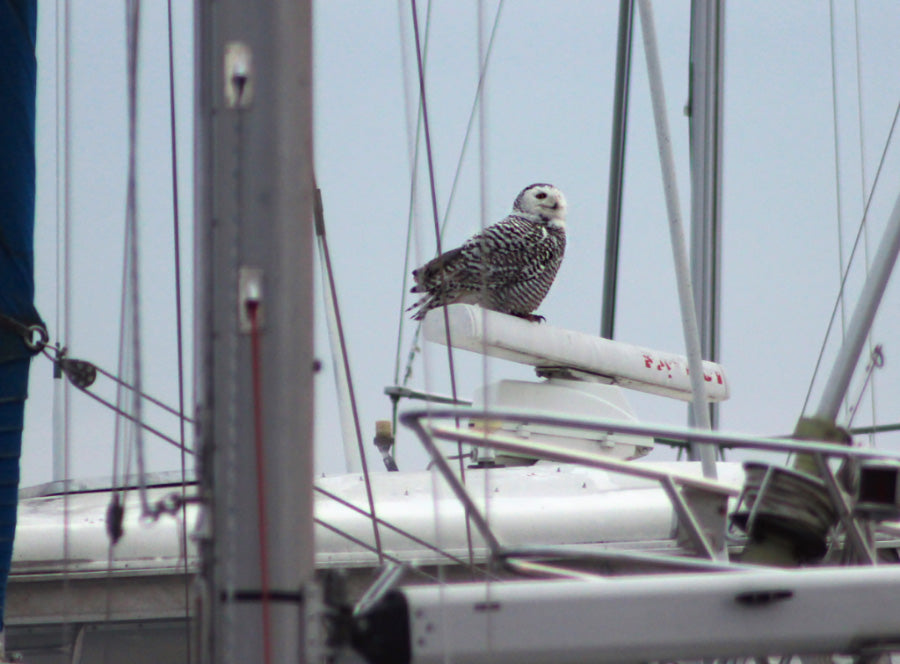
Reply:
x=63 y=271
x=477 y=104
x=399 y=531
x=176 y=231
x=851 y=411
x=414 y=345
x=124 y=414
x=437 y=231
x=837 y=162
x=119 y=407
x=431 y=181
x=369 y=547
x=64 y=116
x=133 y=258
x=326 y=260
x=414 y=144
x=481 y=52
x=859 y=232
x=862 y=190
x=129 y=339
x=61 y=363
x=143 y=395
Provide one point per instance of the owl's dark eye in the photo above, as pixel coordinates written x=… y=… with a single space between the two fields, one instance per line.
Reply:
x=541 y=195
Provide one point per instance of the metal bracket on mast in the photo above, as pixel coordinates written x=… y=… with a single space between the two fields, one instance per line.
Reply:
x=238 y=75
x=250 y=290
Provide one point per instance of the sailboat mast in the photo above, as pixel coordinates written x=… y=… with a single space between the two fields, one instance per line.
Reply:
x=254 y=241
x=706 y=109
x=617 y=167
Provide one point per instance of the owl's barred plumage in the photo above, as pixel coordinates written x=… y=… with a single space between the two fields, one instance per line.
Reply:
x=507 y=267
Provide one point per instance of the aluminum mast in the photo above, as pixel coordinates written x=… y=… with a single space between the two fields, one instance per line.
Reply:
x=705 y=112
x=254 y=193
x=617 y=168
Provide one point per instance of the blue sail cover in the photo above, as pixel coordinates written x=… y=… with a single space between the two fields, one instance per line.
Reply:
x=18 y=28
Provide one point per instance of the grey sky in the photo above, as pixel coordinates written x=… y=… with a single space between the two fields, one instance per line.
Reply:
x=549 y=96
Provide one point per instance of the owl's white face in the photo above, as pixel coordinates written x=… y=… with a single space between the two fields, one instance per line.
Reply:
x=543 y=201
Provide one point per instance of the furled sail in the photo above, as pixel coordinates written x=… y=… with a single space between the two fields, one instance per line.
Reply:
x=18 y=26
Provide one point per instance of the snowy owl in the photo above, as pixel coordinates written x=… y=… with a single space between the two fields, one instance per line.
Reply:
x=507 y=267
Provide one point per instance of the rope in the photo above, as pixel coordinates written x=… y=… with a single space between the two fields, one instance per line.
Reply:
x=261 y=514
